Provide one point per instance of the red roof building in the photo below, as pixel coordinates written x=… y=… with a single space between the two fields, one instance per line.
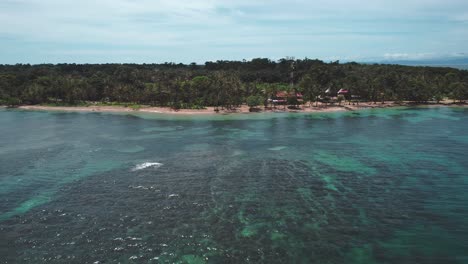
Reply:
x=343 y=91
x=282 y=97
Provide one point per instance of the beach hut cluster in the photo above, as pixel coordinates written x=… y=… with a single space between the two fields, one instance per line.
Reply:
x=296 y=98
x=282 y=97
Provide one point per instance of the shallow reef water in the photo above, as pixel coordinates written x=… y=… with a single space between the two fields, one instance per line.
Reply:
x=374 y=186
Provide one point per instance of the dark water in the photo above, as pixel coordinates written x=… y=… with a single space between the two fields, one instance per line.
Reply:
x=378 y=186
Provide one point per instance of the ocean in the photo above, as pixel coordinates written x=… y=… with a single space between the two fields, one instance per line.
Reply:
x=374 y=186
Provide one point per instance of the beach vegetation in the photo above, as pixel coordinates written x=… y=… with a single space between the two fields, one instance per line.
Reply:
x=254 y=101
x=11 y=102
x=340 y=98
x=226 y=84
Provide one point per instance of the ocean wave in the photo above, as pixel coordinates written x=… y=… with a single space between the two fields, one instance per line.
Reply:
x=147 y=165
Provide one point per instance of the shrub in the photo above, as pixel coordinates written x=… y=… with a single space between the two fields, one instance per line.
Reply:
x=12 y=102
x=254 y=101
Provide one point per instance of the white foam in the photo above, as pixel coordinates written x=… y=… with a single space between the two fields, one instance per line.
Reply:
x=147 y=165
x=279 y=148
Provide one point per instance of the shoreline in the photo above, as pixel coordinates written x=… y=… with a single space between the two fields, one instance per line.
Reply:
x=241 y=110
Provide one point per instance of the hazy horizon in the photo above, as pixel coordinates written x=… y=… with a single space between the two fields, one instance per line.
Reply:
x=461 y=63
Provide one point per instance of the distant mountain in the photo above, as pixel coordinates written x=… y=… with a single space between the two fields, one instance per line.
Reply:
x=459 y=63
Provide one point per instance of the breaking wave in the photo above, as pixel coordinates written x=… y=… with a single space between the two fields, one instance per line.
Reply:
x=146 y=165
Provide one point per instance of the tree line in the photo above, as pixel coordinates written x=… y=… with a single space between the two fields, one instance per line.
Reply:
x=224 y=83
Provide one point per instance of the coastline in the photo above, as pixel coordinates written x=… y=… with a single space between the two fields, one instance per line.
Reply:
x=241 y=110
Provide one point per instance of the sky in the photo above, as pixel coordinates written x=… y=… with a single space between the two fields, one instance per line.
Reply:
x=156 y=31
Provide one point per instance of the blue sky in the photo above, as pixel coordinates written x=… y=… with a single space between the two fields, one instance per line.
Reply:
x=147 y=31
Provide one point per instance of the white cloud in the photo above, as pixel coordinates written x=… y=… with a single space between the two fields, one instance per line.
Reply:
x=423 y=56
x=408 y=56
x=461 y=17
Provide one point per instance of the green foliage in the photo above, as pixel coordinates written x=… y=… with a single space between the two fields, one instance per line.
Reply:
x=11 y=102
x=459 y=91
x=340 y=98
x=254 y=101
x=61 y=103
x=438 y=97
x=225 y=84
x=292 y=100
x=135 y=107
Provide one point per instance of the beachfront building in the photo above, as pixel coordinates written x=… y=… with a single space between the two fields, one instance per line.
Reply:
x=326 y=97
x=345 y=93
x=283 y=97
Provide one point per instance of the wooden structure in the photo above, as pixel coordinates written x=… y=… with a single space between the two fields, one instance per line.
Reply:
x=282 y=97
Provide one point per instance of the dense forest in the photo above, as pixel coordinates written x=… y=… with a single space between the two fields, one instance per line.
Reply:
x=223 y=83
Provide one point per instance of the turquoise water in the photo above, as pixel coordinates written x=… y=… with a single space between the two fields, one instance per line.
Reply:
x=376 y=186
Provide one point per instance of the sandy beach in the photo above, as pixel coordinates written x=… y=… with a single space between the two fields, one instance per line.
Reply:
x=244 y=109
x=210 y=110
